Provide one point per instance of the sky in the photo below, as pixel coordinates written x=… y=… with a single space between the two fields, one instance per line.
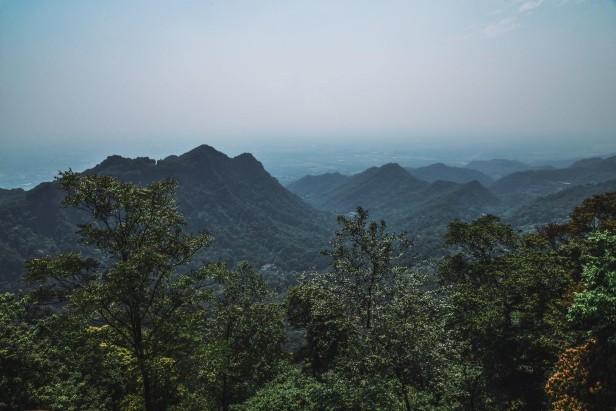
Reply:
x=156 y=76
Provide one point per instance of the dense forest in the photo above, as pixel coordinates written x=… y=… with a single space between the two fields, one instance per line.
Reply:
x=134 y=317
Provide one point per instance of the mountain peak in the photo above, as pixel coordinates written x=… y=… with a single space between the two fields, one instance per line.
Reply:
x=116 y=163
x=245 y=157
x=247 y=163
x=392 y=170
x=440 y=171
x=203 y=152
x=437 y=166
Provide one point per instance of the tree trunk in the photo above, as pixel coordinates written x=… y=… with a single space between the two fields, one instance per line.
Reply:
x=147 y=390
x=407 y=401
x=141 y=361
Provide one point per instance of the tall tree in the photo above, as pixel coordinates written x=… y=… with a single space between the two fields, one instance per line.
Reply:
x=243 y=337
x=363 y=254
x=510 y=295
x=130 y=283
x=585 y=376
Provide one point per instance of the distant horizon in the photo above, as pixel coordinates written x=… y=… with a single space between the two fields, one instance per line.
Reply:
x=28 y=168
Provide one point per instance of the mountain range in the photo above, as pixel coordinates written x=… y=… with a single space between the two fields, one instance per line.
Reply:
x=440 y=171
x=253 y=217
x=544 y=182
x=249 y=214
x=498 y=167
x=423 y=200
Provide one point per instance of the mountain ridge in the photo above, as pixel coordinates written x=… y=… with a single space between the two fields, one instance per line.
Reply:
x=250 y=215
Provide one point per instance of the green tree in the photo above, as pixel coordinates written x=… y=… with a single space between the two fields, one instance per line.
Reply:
x=417 y=351
x=510 y=296
x=294 y=391
x=594 y=312
x=243 y=336
x=52 y=360
x=313 y=307
x=18 y=363
x=362 y=272
x=372 y=326
x=131 y=282
x=594 y=308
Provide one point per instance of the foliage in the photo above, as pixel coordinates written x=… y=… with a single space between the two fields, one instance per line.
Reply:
x=241 y=345
x=594 y=307
x=292 y=390
x=584 y=376
x=510 y=298
x=372 y=325
x=133 y=287
x=506 y=321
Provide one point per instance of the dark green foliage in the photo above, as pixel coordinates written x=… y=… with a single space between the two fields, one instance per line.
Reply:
x=506 y=321
x=372 y=325
x=510 y=298
x=556 y=208
x=362 y=273
x=594 y=308
x=241 y=345
x=55 y=361
x=133 y=288
x=294 y=391
x=18 y=363
x=594 y=313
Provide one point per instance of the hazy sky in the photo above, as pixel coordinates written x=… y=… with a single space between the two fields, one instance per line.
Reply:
x=226 y=71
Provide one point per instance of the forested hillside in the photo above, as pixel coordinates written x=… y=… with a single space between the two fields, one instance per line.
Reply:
x=443 y=172
x=544 y=182
x=401 y=205
x=247 y=212
x=497 y=168
x=556 y=207
x=505 y=321
x=252 y=217
x=526 y=199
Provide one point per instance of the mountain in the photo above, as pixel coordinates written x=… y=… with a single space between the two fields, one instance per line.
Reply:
x=426 y=217
x=251 y=216
x=497 y=168
x=596 y=163
x=544 y=182
x=375 y=188
x=592 y=162
x=405 y=202
x=311 y=188
x=441 y=202
x=556 y=208
x=11 y=196
x=440 y=171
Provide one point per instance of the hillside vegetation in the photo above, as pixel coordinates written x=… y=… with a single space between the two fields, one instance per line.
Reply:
x=127 y=321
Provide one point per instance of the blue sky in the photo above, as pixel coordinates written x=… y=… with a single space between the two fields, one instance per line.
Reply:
x=226 y=71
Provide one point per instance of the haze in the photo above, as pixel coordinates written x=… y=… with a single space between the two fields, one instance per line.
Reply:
x=156 y=77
